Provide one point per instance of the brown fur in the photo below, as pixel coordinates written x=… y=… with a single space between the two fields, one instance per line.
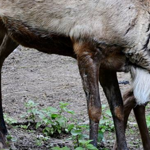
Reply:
x=94 y=113
x=111 y=56
x=118 y=113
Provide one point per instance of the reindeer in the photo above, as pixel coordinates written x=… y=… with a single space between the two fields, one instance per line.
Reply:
x=129 y=100
x=105 y=34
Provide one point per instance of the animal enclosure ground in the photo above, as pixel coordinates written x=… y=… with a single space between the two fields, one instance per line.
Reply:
x=49 y=79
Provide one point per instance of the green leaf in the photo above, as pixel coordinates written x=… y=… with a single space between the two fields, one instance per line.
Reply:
x=70 y=111
x=65 y=148
x=70 y=127
x=61 y=121
x=85 y=142
x=79 y=148
x=53 y=116
x=50 y=109
x=62 y=105
x=76 y=132
x=38 y=125
x=108 y=112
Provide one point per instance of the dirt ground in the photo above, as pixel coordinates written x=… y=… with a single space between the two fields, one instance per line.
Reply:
x=48 y=79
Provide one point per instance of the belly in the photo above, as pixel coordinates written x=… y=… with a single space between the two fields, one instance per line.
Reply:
x=54 y=43
x=39 y=39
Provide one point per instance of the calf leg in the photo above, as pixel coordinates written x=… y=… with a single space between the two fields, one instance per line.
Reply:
x=89 y=62
x=108 y=80
x=6 y=47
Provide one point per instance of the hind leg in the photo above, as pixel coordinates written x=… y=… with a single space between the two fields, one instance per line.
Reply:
x=109 y=83
x=139 y=112
x=129 y=104
x=7 y=46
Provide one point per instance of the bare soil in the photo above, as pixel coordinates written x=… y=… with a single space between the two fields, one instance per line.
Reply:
x=49 y=79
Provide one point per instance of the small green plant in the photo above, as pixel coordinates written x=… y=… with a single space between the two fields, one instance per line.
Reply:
x=63 y=108
x=11 y=138
x=32 y=111
x=79 y=133
x=50 y=119
x=80 y=137
x=53 y=122
x=86 y=145
x=9 y=120
x=106 y=122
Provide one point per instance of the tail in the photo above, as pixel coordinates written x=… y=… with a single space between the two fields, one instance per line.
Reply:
x=141 y=85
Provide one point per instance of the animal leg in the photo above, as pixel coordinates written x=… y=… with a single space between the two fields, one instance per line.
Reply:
x=109 y=82
x=6 y=47
x=139 y=112
x=129 y=104
x=89 y=62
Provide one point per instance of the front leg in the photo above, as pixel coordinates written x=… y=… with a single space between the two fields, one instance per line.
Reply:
x=109 y=82
x=7 y=46
x=89 y=62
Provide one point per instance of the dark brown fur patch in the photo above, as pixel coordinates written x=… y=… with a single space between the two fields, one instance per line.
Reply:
x=113 y=58
x=39 y=39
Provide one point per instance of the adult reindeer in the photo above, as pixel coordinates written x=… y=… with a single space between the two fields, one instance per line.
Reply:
x=7 y=46
x=98 y=31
